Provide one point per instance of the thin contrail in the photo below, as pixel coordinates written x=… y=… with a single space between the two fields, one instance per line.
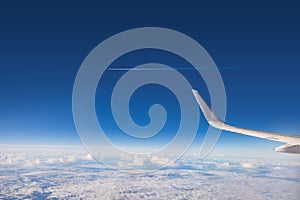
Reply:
x=151 y=69
x=168 y=69
x=161 y=69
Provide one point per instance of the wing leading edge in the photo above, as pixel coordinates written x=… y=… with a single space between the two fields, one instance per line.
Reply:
x=292 y=141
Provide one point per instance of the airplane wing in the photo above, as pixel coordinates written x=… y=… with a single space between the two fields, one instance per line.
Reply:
x=292 y=141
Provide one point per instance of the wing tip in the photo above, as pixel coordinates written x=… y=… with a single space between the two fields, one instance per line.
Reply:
x=194 y=91
x=211 y=117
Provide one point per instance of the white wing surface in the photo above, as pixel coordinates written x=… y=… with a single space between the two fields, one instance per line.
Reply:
x=292 y=141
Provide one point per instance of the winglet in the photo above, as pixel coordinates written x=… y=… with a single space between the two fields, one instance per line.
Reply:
x=212 y=118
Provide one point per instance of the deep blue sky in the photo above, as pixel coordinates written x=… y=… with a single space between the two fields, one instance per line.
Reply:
x=42 y=45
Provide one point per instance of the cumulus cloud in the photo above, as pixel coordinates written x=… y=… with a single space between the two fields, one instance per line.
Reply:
x=89 y=157
x=31 y=163
x=147 y=162
x=277 y=168
x=160 y=160
x=11 y=159
x=51 y=160
x=247 y=165
x=29 y=160
x=223 y=165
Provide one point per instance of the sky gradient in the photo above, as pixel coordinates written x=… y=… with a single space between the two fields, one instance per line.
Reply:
x=256 y=47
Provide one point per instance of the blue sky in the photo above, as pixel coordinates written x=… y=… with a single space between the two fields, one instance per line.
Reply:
x=255 y=45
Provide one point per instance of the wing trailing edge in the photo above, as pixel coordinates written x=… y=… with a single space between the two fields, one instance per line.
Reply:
x=292 y=141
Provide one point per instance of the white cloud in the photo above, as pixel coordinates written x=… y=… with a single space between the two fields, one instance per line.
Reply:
x=11 y=159
x=51 y=160
x=190 y=179
x=247 y=165
x=277 y=168
x=89 y=157
x=31 y=163
x=160 y=160
x=224 y=165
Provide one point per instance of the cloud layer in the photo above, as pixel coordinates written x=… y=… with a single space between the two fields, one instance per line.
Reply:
x=73 y=176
